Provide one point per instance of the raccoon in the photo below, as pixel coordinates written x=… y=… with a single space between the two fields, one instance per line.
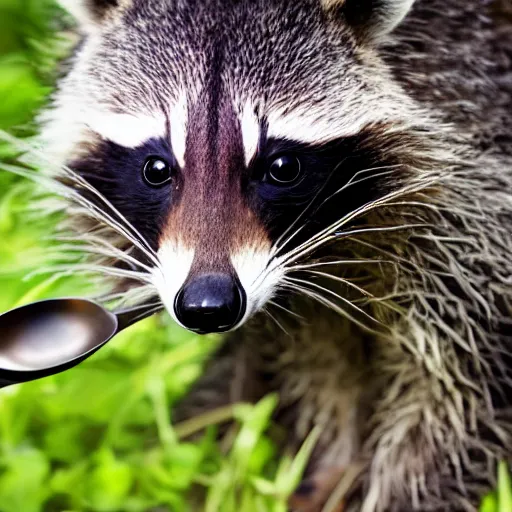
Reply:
x=328 y=183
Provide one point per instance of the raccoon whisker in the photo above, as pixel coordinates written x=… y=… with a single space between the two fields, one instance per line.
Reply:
x=318 y=242
x=387 y=303
x=157 y=304
x=366 y=208
x=387 y=170
x=278 y=246
x=306 y=266
x=88 y=207
x=331 y=292
x=136 y=295
x=395 y=296
x=145 y=313
x=301 y=290
x=112 y=272
x=129 y=226
x=126 y=294
x=277 y=305
x=68 y=172
x=90 y=240
x=333 y=227
x=326 y=233
x=379 y=229
x=266 y=311
x=386 y=200
x=95 y=212
x=344 y=187
x=341 y=280
x=110 y=252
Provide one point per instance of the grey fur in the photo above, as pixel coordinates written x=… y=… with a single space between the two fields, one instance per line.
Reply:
x=423 y=407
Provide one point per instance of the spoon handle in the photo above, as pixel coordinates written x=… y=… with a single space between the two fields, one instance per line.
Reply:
x=127 y=317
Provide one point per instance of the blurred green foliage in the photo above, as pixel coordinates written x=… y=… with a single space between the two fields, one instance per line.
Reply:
x=28 y=48
x=501 y=500
x=99 y=437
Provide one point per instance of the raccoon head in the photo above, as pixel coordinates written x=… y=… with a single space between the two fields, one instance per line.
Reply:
x=232 y=136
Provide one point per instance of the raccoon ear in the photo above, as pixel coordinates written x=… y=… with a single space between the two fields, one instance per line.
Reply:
x=91 y=13
x=371 y=19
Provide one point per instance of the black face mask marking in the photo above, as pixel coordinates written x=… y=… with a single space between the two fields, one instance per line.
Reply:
x=335 y=179
x=118 y=173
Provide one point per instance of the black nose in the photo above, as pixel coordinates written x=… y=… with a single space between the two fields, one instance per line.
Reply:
x=210 y=303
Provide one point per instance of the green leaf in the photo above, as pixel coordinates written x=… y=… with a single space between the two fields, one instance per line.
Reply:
x=504 y=489
x=23 y=481
x=291 y=474
x=255 y=423
x=63 y=442
x=109 y=483
x=71 y=482
x=489 y=503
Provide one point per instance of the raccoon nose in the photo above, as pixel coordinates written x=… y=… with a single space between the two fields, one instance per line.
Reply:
x=210 y=303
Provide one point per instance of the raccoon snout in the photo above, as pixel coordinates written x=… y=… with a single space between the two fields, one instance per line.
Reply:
x=211 y=303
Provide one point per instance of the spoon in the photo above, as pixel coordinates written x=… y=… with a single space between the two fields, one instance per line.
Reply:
x=51 y=336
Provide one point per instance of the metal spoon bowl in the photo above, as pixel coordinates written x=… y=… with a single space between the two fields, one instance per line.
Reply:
x=51 y=336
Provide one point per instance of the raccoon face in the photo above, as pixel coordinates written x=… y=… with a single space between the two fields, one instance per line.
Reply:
x=230 y=134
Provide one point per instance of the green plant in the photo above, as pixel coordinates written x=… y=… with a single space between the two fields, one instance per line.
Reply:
x=501 y=500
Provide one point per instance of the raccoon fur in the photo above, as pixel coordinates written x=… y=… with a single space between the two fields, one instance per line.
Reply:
x=328 y=182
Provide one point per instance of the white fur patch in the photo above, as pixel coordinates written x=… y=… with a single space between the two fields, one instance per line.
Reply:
x=175 y=261
x=179 y=125
x=319 y=123
x=250 y=132
x=258 y=281
x=127 y=130
x=314 y=127
x=62 y=125
x=59 y=137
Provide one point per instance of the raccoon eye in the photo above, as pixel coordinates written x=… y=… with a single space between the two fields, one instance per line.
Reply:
x=157 y=171
x=284 y=170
